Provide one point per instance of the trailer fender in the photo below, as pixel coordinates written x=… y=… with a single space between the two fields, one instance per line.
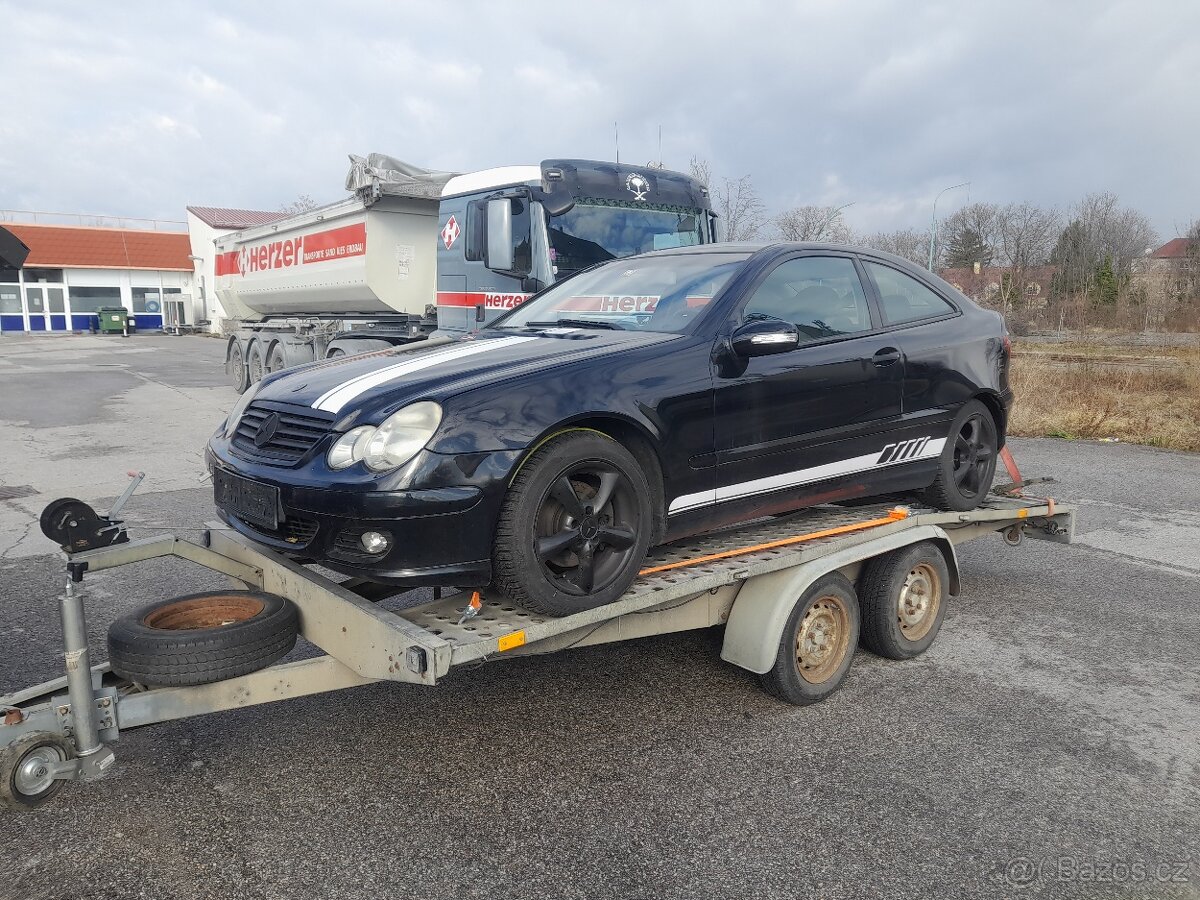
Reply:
x=764 y=603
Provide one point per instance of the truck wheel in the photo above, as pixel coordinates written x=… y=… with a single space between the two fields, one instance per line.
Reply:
x=256 y=363
x=817 y=646
x=235 y=366
x=276 y=361
x=968 y=461
x=903 y=600
x=574 y=526
x=201 y=638
x=335 y=353
x=25 y=777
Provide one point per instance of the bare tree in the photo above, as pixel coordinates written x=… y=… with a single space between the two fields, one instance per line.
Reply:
x=735 y=200
x=908 y=243
x=813 y=223
x=1113 y=230
x=1025 y=237
x=301 y=204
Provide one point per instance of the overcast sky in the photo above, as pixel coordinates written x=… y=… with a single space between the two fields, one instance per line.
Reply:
x=139 y=109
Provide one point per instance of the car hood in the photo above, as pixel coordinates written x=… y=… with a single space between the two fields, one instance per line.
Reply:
x=358 y=387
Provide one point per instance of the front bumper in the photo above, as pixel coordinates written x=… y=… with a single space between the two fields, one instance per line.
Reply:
x=439 y=536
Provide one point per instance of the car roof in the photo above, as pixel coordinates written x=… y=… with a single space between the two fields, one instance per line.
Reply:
x=752 y=247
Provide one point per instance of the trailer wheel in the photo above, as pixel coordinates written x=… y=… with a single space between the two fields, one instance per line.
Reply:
x=335 y=353
x=235 y=366
x=818 y=642
x=276 y=361
x=903 y=600
x=25 y=777
x=256 y=363
x=202 y=638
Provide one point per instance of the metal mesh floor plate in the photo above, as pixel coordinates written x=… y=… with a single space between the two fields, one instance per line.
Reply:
x=499 y=617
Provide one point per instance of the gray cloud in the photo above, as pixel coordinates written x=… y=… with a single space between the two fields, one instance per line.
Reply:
x=140 y=109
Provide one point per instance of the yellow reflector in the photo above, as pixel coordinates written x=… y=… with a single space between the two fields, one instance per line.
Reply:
x=1022 y=513
x=509 y=641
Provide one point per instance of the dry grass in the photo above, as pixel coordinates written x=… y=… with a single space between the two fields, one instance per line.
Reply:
x=1149 y=396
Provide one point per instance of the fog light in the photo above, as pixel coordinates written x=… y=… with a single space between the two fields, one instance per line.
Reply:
x=375 y=541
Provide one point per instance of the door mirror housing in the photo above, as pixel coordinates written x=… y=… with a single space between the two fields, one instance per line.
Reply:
x=764 y=337
x=499 y=235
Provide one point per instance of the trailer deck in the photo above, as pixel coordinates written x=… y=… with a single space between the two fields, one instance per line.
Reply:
x=749 y=579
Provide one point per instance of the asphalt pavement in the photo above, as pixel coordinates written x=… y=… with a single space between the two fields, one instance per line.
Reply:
x=1048 y=744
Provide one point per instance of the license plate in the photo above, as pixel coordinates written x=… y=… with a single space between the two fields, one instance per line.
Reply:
x=253 y=501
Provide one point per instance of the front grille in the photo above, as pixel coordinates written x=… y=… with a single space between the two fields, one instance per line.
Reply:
x=294 y=531
x=295 y=433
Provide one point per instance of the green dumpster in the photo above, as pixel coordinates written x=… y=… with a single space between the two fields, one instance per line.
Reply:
x=114 y=320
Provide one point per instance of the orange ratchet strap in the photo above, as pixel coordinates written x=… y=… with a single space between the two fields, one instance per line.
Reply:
x=895 y=515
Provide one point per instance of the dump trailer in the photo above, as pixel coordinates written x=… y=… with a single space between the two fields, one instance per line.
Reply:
x=795 y=595
x=411 y=252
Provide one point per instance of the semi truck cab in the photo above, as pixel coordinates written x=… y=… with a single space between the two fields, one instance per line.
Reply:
x=507 y=233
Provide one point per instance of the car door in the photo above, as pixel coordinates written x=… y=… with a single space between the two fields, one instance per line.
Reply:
x=788 y=425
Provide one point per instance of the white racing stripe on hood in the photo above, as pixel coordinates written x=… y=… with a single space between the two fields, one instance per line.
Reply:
x=333 y=401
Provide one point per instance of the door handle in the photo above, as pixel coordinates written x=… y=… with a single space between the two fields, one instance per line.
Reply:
x=886 y=356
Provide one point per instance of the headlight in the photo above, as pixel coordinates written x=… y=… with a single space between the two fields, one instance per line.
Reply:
x=390 y=445
x=235 y=414
x=350 y=447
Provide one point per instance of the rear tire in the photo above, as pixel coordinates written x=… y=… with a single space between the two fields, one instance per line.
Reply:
x=235 y=367
x=202 y=638
x=968 y=462
x=817 y=647
x=903 y=598
x=574 y=526
x=256 y=364
x=276 y=360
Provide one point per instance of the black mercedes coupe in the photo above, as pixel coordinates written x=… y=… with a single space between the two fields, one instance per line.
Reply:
x=636 y=403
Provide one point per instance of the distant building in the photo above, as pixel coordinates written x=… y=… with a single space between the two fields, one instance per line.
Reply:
x=983 y=284
x=73 y=270
x=205 y=224
x=1167 y=277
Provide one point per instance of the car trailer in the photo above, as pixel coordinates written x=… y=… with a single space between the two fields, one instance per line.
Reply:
x=796 y=595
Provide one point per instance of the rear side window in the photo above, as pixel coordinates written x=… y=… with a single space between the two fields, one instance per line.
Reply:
x=904 y=299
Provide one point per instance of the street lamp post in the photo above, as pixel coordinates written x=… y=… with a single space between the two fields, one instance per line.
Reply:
x=933 y=223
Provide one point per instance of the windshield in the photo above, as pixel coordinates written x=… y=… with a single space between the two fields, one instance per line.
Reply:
x=594 y=231
x=649 y=293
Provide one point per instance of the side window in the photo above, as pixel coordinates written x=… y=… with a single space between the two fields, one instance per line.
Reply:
x=904 y=298
x=475 y=231
x=522 y=238
x=820 y=295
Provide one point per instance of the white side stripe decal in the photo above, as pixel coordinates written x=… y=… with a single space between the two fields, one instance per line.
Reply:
x=893 y=454
x=334 y=400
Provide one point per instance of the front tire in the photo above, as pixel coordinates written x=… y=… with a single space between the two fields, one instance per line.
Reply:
x=968 y=461
x=574 y=526
x=904 y=600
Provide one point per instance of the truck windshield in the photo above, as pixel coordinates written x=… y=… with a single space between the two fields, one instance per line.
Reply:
x=594 y=231
x=649 y=293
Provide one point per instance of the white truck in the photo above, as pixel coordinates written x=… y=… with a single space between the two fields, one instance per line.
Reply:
x=412 y=251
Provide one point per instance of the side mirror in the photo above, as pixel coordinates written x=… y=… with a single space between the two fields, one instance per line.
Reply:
x=762 y=337
x=499 y=235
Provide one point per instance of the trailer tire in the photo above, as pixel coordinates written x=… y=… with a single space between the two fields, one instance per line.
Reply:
x=903 y=596
x=256 y=362
x=335 y=353
x=817 y=647
x=235 y=366
x=202 y=638
x=276 y=359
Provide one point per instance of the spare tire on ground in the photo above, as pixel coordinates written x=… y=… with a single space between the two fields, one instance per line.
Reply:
x=202 y=638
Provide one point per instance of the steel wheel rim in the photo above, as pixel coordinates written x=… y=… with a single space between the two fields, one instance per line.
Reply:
x=822 y=639
x=919 y=601
x=974 y=454
x=236 y=364
x=34 y=774
x=256 y=367
x=586 y=527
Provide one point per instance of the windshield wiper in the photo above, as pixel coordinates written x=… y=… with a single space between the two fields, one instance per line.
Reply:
x=577 y=323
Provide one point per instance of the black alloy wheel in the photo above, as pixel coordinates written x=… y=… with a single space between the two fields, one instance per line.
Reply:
x=574 y=527
x=967 y=463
